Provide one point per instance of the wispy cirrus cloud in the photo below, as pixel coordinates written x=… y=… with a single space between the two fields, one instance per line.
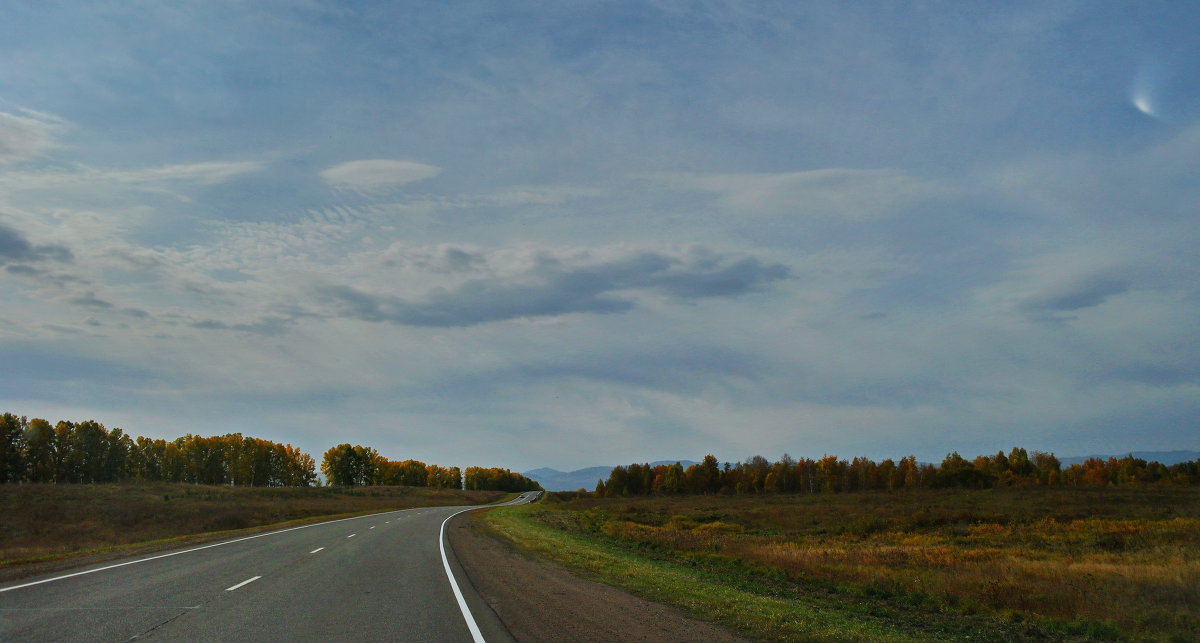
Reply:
x=165 y=176
x=377 y=174
x=856 y=194
x=28 y=135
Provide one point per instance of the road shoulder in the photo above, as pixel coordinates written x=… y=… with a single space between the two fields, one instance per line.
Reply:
x=540 y=601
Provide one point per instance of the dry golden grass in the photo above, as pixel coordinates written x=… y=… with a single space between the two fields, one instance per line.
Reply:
x=38 y=521
x=1128 y=558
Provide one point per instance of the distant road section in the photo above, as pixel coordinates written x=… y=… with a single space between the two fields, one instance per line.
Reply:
x=383 y=577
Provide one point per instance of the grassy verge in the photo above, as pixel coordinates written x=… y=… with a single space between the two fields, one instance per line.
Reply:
x=723 y=592
x=42 y=523
x=1033 y=564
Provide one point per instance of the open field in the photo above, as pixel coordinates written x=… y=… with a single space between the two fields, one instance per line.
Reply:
x=40 y=522
x=1002 y=564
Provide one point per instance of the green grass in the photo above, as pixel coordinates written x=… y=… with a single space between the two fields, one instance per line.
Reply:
x=1012 y=564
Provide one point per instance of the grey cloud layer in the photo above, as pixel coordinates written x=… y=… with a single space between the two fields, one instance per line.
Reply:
x=554 y=288
x=15 y=247
x=329 y=246
x=1087 y=293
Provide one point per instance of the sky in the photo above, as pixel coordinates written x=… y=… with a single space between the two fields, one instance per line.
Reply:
x=530 y=234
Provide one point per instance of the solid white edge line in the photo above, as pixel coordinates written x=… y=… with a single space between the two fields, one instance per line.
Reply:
x=188 y=551
x=476 y=635
x=245 y=582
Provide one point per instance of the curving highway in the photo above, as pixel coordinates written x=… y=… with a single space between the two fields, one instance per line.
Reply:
x=383 y=577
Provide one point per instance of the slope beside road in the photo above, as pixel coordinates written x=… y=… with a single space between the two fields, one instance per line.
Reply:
x=538 y=601
x=371 y=578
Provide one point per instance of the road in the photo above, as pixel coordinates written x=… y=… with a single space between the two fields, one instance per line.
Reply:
x=373 y=578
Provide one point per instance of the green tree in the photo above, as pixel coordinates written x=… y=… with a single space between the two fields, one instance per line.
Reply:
x=673 y=479
x=12 y=437
x=956 y=471
x=114 y=465
x=350 y=466
x=65 y=469
x=39 y=451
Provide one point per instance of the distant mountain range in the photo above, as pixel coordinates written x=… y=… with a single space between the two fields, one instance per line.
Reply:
x=555 y=480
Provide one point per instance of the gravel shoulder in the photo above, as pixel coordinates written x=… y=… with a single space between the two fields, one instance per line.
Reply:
x=540 y=601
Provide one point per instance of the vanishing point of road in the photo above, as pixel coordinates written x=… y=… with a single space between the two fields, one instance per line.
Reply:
x=382 y=577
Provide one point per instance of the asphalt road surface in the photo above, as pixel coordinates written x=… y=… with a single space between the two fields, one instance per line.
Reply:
x=381 y=577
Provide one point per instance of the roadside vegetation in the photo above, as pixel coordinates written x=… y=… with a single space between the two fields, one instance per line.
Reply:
x=358 y=465
x=830 y=474
x=44 y=522
x=1012 y=563
x=34 y=451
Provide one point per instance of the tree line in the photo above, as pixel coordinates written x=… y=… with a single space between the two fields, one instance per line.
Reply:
x=33 y=450
x=350 y=466
x=832 y=474
x=359 y=466
x=496 y=479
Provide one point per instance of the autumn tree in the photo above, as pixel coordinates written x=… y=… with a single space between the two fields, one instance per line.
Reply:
x=443 y=477
x=497 y=479
x=704 y=477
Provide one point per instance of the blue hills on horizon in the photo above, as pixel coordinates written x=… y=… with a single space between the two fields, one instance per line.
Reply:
x=586 y=478
x=555 y=480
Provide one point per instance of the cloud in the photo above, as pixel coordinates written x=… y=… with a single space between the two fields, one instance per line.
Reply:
x=196 y=174
x=721 y=280
x=474 y=303
x=269 y=326
x=15 y=247
x=457 y=259
x=1134 y=190
x=25 y=137
x=684 y=369
x=556 y=286
x=207 y=173
x=377 y=174
x=22 y=270
x=47 y=362
x=833 y=192
x=1089 y=292
x=90 y=300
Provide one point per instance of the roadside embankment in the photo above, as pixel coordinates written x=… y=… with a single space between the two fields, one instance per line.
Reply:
x=47 y=526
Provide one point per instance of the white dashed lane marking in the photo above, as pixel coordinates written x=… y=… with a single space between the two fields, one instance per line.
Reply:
x=245 y=582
